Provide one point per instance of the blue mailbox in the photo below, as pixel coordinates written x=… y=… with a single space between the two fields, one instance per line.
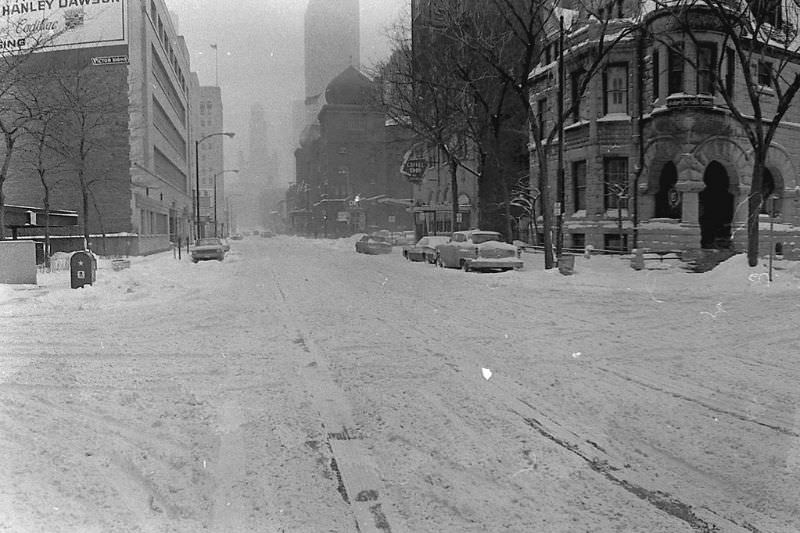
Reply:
x=82 y=269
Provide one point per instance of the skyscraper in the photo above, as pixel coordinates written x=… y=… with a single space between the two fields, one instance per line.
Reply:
x=332 y=42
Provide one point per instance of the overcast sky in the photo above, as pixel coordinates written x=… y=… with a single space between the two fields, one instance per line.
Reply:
x=260 y=51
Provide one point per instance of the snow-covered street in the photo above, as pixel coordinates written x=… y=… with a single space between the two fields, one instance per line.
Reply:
x=301 y=387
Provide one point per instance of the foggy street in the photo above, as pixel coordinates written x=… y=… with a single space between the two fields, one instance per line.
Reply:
x=298 y=386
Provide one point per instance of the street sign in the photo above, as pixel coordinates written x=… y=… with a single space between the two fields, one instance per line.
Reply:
x=110 y=60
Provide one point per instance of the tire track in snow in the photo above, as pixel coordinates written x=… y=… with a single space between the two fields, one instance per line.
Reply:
x=230 y=505
x=355 y=470
x=719 y=410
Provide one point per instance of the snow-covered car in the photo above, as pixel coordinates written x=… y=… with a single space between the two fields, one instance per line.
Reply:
x=425 y=248
x=478 y=250
x=373 y=245
x=208 y=249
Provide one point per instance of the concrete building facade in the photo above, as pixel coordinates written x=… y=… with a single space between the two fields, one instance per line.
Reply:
x=128 y=55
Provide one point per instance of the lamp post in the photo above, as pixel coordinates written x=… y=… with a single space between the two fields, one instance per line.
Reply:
x=197 y=172
x=215 y=196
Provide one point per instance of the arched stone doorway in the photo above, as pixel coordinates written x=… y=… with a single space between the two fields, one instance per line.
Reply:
x=715 y=208
x=668 y=199
x=769 y=187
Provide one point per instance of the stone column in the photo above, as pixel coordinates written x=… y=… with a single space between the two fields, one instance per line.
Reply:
x=690 y=183
x=690 y=200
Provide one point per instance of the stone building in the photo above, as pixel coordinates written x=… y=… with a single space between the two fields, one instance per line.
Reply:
x=127 y=55
x=652 y=153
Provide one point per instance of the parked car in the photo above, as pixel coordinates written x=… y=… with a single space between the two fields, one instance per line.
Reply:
x=478 y=250
x=267 y=233
x=208 y=248
x=373 y=245
x=425 y=248
x=237 y=237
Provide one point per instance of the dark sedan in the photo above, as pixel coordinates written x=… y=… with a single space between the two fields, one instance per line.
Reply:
x=425 y=249
x=208 y=249
x=373 y=245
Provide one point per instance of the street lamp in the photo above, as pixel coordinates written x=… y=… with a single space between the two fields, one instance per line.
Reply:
x=215 y=196
x=197 y=172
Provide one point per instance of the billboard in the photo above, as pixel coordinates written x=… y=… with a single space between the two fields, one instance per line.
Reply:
x=62 y=24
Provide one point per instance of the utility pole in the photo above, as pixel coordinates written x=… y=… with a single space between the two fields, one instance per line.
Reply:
x=560 y=117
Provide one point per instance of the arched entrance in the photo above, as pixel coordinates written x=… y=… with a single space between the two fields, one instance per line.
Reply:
x=668 y=199
x=768 y=205
x=715 y=208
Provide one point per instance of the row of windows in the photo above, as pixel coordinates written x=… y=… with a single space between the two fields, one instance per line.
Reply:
x=615 y=80
x=161 y=30
x=615 y=183
x=615 y=188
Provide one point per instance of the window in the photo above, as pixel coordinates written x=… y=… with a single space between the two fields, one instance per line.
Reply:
x=577 y=80
x=541 y=105
x=615 y=181
x=767 y=11
x=579 y=184
x=656 y=74
x=617 y=88
x=675 y=60
x=706 y=67
x=730 y=71
x=615 y=242
x=578 y=241
x=765 y=73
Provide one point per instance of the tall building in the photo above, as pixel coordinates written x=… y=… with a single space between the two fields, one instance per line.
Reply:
x=209 y=117
x=332 y=42
x=133 y=165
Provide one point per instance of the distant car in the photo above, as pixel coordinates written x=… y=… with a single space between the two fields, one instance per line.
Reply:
x=207 y=249
x=424 y=249
x=267 y=233
x=373 y=245
x=237 y=237
x=478 y=250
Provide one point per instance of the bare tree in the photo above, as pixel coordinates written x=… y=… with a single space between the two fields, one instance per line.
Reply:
x=510 y=37
x=91 y=115
x=36 y=147
x=422 y=93
x=760 y=40
x=14 y=71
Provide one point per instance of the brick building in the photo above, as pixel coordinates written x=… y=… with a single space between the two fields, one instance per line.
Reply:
x=348 y=167
x=652 y=147
x=209 y=124
x=127 y=55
